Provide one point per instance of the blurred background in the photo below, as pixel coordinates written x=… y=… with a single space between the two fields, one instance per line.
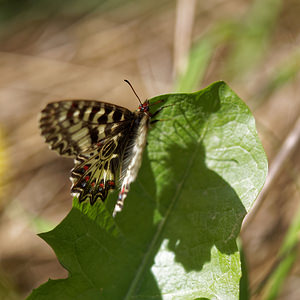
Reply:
x=51 y=50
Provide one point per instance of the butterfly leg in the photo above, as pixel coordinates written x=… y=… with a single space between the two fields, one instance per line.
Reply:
x=158 y=101
x=158 y=111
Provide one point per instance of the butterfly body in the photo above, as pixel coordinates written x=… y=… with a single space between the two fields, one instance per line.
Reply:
x=106 y=141
x=133 y=159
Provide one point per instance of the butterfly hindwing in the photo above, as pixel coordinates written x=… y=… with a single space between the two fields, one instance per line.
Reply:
x=73 y=127
x=95 y=171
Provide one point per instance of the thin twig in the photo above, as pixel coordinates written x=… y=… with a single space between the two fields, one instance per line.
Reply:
x=185 y=13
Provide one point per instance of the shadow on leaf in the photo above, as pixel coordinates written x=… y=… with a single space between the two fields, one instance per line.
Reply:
x=205 y=210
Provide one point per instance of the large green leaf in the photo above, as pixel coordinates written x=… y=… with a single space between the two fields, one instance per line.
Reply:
x=176 y=236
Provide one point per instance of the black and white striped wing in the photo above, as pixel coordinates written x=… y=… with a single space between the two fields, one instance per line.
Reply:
x=96 y=171
x=96 y=135
x=74 y=127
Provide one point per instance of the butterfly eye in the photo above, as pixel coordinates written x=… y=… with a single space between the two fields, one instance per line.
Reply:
x=144 y=107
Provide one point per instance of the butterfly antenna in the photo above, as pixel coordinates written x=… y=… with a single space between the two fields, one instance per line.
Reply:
x=133 y=90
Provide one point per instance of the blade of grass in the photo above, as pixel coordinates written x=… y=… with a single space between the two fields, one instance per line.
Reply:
x=284 y=73
x=201 y=55
x=287 y=258
x=253 y=33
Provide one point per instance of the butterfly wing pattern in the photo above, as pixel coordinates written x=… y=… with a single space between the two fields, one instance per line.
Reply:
x=106 y=141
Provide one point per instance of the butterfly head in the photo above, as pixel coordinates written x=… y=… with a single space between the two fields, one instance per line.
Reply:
x=144 y=107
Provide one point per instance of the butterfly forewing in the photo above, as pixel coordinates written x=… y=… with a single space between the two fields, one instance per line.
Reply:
x=73 y=127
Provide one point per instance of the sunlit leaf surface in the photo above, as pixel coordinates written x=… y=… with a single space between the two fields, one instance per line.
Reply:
x=176 y=236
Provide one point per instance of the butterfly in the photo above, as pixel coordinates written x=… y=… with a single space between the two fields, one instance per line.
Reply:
x=105 y=140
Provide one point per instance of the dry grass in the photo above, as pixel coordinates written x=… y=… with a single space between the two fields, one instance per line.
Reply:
x=87 y=56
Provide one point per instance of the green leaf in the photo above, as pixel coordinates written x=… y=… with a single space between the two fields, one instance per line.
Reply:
x=176 y=236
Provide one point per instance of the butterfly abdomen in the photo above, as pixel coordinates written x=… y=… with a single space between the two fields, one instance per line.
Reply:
x=133 y=156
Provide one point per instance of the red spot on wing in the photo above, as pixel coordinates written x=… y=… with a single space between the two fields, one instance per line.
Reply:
x=87 y=178
x=111 y=183
x=85 y=167
x=101 y=185
x=93 y=184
